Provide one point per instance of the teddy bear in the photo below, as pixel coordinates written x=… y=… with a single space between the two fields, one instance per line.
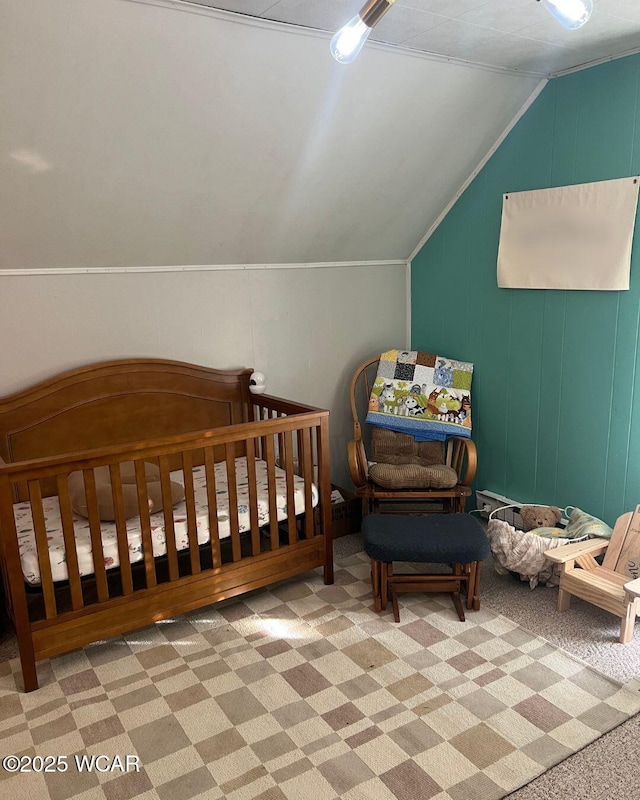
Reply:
x=540 y=517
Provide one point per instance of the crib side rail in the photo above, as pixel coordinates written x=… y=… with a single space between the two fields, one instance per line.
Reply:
x=276 y=440
x=39 y=468
x=266 y=402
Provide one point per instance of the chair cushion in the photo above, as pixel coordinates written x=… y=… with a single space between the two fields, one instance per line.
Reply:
x=413 y=476
x=391 y=447
x=431 y=538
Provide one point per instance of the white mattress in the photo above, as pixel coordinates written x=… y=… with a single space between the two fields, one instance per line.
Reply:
x=26 y=534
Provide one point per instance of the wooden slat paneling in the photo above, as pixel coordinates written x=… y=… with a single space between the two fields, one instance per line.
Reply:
x=563 y=364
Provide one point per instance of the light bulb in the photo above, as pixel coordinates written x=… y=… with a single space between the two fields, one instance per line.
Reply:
x=349 y=40
x=571 y=14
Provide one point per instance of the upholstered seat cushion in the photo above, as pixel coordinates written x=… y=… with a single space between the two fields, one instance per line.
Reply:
x=392 y=447
x=403 y=463
x=413 y=476
x=431 y=538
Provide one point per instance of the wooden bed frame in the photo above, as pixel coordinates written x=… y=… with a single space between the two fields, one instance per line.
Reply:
x=176 y=415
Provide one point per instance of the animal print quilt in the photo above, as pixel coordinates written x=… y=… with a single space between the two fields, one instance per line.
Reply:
x=422 y=394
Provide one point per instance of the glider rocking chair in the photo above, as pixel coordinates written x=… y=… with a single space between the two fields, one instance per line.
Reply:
x=403 y=475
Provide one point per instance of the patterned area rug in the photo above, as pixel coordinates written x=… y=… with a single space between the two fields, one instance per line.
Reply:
x=304 y=693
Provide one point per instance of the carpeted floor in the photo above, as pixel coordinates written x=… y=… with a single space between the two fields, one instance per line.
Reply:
x=609 y=767
x=303 y=691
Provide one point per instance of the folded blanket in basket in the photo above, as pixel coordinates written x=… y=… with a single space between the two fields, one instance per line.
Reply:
x=422 y=394
x=517 y=551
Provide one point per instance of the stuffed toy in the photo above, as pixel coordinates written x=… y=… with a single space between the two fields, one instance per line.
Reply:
x=540 y=517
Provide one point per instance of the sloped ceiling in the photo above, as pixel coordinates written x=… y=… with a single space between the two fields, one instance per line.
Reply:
x=147 y=133
x=517 y=34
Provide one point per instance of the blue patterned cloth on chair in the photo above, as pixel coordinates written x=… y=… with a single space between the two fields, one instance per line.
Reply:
x=425 y=395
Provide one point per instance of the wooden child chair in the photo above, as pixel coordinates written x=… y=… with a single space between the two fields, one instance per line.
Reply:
x=614 y=586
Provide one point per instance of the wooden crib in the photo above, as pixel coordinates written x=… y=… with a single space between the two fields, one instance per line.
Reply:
x=177 y=416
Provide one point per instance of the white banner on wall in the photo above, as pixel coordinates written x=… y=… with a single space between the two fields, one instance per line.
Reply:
x=570 y=237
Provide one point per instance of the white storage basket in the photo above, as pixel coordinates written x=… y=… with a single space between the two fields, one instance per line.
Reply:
x=522 y=552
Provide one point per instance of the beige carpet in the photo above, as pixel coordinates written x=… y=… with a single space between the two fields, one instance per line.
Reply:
x=304 y=692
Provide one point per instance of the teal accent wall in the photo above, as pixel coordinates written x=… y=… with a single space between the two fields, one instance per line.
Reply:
x=556 y=388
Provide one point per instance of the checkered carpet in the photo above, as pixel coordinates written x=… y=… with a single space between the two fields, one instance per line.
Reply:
x=303 y=692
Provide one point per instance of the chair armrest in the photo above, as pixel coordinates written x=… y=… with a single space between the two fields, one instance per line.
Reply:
x=568 y=552
x=462 y=455
x=633 y=588
x=358 y=466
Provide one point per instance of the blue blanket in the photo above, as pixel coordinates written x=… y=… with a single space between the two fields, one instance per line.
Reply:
x=425 y=395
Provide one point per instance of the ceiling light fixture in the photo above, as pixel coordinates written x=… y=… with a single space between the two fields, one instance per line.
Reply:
x=570 y=13
x=349 y=40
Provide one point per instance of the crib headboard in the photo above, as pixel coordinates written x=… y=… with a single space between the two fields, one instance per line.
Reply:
x=118 y=402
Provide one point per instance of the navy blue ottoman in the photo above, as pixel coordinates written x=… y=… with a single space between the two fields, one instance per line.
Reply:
x=454 y=539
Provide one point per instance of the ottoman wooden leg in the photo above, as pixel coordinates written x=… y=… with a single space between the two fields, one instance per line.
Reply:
x=375 y=583
x=473 y=589
x=455 y=596
x=471 y=578
x=394 y=604
x=476 y=587
x=384 y=586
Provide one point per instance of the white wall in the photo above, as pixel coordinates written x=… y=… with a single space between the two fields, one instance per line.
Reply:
x=306 y=329
x=139 y=134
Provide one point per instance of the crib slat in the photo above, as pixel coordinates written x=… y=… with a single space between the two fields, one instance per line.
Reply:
x=71 y=554
x=145 y=525
x=273 y=507
x=232 y=492
x=46 y=579
x=307 y=458
x=300 y=469
x=99 y=568
x=281 y=448
x=169 y=527
x=264 y=414
x=121 y=529
x=192 y=525
x=291 y=504
x=253 y=496
x=212 y=502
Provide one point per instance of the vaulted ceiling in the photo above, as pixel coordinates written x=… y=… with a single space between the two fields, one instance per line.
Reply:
x=153 y=133
x=516 y=34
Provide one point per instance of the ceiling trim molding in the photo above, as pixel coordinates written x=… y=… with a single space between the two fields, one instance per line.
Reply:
x=197 y=268
x=261 y=22
x=604 y=60
x=521 y=112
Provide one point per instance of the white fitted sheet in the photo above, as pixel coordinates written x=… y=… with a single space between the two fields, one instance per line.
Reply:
x=57 y=553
